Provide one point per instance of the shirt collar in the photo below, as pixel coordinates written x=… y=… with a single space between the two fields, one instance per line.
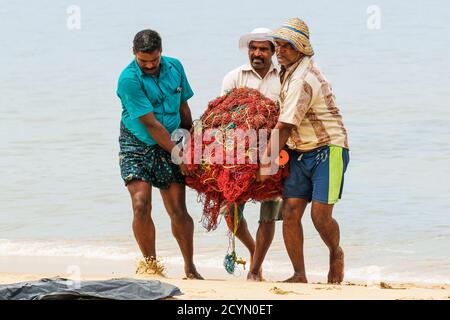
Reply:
x=137 y=68
x=248 y=67
x=300 y=65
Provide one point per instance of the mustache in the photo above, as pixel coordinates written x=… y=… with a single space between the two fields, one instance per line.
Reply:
x=258 y=58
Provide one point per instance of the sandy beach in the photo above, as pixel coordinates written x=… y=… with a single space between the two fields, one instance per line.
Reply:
x=217 y=289
x=66 y=212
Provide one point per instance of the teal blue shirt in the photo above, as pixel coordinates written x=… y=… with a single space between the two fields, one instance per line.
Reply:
x=141 y=94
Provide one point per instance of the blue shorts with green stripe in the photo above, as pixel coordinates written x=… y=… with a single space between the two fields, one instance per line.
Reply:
x=317 y=175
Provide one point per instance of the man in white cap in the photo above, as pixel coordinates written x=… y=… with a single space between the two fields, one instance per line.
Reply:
x=260 y=74
x=310 y=125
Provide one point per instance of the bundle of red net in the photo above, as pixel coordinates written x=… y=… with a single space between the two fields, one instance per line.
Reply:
x=225 y=159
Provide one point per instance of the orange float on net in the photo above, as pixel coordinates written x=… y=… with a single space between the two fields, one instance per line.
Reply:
x=283 y=158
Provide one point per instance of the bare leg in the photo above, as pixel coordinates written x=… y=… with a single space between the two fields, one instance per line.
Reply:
x=329 y=232
x=264 y=237
x=243 y=234
x=174 y=200
x=143 y=227
x=293 y=210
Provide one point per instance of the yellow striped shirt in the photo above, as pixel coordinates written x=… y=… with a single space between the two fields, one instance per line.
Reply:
x=307 y=101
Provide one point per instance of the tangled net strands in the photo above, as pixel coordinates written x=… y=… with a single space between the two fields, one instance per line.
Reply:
x=223 y=184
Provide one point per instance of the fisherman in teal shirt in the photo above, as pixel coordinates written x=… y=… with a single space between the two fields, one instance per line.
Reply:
x=154 y=92
x=142 y=93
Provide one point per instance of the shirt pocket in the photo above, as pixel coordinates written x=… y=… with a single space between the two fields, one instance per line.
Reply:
x=158 y=103
x=173 y=100
x=155 y=97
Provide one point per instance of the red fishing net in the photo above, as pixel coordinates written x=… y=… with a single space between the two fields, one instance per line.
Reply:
x=223 y=183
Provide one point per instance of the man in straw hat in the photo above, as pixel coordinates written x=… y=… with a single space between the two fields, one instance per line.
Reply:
x=311 y=127
x=260 y=74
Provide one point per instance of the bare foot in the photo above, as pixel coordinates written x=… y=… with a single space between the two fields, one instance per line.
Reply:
x=150 y=266
x=336 y=273
x=191 y=273
x=254 y=276
x=297 y=278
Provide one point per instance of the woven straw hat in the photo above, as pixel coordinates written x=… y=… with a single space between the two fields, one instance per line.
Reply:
x=296 y=32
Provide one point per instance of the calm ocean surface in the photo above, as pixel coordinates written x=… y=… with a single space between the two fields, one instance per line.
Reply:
x=60 y=189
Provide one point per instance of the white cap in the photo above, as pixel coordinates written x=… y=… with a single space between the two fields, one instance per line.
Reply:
x=258 y=34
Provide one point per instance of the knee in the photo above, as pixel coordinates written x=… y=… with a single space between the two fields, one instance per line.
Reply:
x=242 y=227
x=142 y=208
x=291 y=215
x=267 y=225
x=266 y=229
x=179 y=216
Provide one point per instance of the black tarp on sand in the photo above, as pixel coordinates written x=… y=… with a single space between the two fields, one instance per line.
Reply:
x=63 y=289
